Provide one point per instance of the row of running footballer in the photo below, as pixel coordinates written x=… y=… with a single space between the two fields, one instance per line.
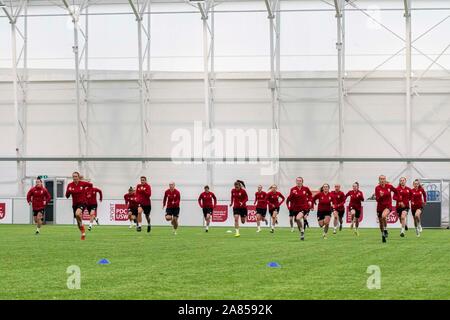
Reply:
x=299 y=203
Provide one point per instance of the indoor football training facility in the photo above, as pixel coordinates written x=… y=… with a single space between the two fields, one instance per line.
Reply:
x=320 y=127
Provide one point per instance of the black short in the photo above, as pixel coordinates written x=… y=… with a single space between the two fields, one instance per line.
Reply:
x=78 y=206
x=147 y=209
x=357 y=212
x=400 y=210
x=92 y=207
x=340 y=213
x=174 y=212
x=380 y=212
x=271 y=211
x=261 y=211
x=415 y=210
x=240 y=211
x=133 y=211
x=36 y=212
x=207 y=211
x=321 y=215
x=294 y=213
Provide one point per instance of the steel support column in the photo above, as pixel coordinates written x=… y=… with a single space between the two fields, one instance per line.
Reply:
x=408 y=111
x=340 y=6
x=81 y=76
x=207 y=15
x=19 y=81
x=139 y=8
x=273 y=10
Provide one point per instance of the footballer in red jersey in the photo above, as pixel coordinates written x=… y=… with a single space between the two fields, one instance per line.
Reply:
x=207 y=201
x=239 y=200
x=143 y=194
x=403 y=199
x=132 y=206
x=91 y=197
x=299 y=203
x=171 y=202
x=261 y=207
x=355 y=206
x=77 y=189
x=383 y=196
x=324 y=207
x=274 y=200
x=418 y=202
x=338 y=207
x=38 y=197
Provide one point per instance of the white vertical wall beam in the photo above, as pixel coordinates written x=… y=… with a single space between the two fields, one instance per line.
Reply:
x=81 y=76
x=273 y=11
x=19 y=81
x=139 y=8
x=207 y=15
x=408 y=111
x=86 y=83
x=340 y=7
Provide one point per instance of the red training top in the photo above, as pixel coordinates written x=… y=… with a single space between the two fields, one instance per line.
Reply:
x=207 y=200
x=261 y=199
x=239 y=198
x=143 y=194
x=299 y=198
x=418 y=198
x=403 y=197
x=325 y=201
x=356 y=197
x=273 y=199
x=78 y=192
x=384 y=201
x=172 y=198
x=130 y=200
x=39 y=198
x=338 y=200
x=91 y=196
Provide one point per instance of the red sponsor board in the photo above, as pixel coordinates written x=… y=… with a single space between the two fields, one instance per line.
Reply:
x=220 y=213
x=2 y=210
x=392 y=216
x=86 y=216
x=349 y=217
x=118 y=212
x=251 y=214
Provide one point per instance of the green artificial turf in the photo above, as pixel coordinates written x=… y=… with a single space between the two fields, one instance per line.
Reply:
x=215 y=265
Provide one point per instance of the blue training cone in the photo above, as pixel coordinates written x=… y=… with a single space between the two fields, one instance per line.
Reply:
x=104 y=261
x=273 y=265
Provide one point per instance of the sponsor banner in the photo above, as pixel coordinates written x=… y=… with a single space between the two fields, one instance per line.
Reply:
x=86 y=216
x=5 y=211
x=220 y=213
x=349 y=217
x=251 y=214
x=392 y=217
x=118 y=212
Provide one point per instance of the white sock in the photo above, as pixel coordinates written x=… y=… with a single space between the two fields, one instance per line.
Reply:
x=90 y=224
x=403 y=230
x=302 y=230
x=237 y=231
x=207 y=227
